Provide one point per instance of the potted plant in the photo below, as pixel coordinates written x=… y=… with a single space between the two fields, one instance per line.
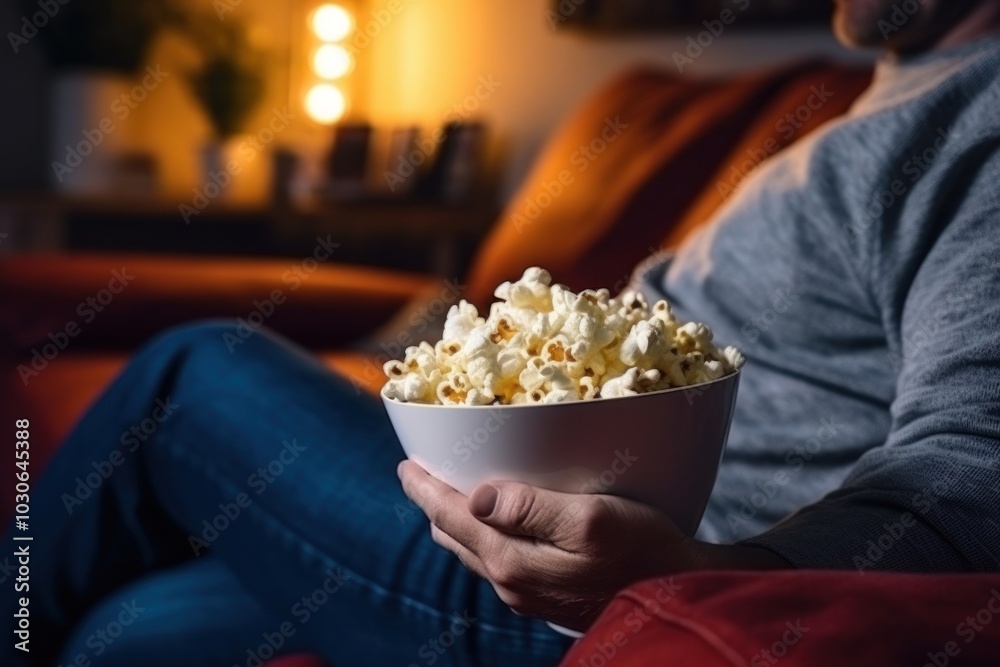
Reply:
x=228 y=84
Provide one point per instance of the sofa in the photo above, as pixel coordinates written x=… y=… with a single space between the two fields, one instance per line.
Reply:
x=641 y=164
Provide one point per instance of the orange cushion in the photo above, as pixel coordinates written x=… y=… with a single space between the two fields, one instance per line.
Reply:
x=800 y=105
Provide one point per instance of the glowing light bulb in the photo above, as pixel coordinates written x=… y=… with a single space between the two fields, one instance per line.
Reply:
x=332 y=61
x=332 y=23
x=325 y=103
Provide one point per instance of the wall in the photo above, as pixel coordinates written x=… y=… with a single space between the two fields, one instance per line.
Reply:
x=433 y=53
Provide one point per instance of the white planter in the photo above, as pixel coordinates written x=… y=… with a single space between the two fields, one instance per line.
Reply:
x=90 y=131
x=218 y=178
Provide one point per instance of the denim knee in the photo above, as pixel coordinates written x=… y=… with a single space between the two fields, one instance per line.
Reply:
x=191 y=334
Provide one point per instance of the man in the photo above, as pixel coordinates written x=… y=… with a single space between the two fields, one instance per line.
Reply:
x=873 y=403
x=869 y=415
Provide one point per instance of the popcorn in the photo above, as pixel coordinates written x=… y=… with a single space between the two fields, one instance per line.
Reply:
x=623 y=385
x=645 y=344
x=462 y=319
x=542 y=343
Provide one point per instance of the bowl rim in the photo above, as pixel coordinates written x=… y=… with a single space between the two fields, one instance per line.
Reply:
x=504 y=406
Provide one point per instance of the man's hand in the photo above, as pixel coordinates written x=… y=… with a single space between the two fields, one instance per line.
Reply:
x=560 y=556
x=551 y=555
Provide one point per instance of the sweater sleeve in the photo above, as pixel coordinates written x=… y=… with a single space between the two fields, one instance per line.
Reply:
x=929 y=498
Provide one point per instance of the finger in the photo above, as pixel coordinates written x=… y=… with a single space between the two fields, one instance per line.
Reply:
x=469 y=559
x=444 y=506
x=522 y=509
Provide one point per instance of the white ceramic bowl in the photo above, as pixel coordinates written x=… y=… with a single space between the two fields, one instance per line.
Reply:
x=661 y=448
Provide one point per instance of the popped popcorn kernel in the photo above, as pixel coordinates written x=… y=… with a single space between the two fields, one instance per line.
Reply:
x=543 y=343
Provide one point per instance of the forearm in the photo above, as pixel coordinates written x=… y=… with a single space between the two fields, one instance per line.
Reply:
x=868 y=529
x=902 y=511
x=707 y=556
x=896 y=512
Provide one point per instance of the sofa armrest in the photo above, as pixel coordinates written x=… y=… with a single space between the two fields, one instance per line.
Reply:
x=804 y=618
x=117 y=301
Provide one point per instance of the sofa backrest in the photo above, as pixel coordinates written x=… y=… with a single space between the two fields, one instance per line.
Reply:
x=646 y=160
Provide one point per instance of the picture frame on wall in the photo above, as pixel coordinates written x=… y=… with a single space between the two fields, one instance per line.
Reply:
x=616 y=16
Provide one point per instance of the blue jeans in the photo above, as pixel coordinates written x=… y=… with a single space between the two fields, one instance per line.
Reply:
x=228 y=502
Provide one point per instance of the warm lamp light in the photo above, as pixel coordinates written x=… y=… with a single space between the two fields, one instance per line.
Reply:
x=332 y=23
x=325 y=103
x=332 y=61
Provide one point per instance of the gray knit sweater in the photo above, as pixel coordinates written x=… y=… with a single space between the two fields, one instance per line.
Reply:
x=859 y=271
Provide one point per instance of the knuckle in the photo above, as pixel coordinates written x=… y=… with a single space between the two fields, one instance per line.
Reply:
x=500 y=574
x=595 y=518
x=504 y=572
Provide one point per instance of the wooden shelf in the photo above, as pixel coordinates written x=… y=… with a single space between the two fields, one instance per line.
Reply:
x=411 y=235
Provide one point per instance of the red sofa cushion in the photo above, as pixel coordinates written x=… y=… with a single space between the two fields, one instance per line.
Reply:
x=800 y=619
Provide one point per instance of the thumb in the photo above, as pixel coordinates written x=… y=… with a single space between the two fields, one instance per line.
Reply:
x=522 y=509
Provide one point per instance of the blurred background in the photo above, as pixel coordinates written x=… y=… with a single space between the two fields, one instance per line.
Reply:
x=344 y=172
x=402 y=127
